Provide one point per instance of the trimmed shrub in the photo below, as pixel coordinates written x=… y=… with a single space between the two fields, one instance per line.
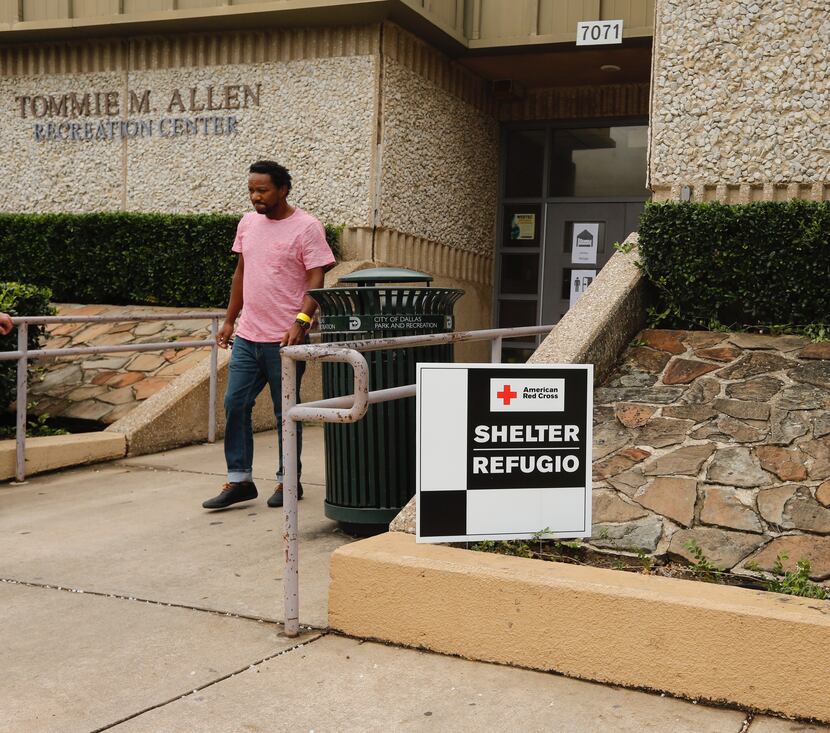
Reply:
x=764 y=263
x=125 y=258
x=18 y=299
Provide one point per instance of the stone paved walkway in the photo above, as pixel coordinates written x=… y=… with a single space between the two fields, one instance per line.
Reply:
x=720 y=439
x=105 y=388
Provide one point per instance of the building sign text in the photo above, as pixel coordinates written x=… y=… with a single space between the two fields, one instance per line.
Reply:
x=80 y=116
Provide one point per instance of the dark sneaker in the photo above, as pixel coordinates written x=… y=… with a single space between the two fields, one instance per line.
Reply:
x=275 y=499
x=232 y=494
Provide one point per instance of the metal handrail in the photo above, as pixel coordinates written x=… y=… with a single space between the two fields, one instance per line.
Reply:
x=348 y=409
x=23 y=355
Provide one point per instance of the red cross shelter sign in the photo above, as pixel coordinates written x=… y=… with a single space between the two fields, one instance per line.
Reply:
x=503 y=451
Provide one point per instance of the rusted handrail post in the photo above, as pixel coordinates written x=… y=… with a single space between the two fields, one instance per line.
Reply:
x=360 y=404
x=22 y=399
x=291 y=571
x=214 y=360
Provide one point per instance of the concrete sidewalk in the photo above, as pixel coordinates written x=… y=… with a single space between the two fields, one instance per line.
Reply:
x=127 y=607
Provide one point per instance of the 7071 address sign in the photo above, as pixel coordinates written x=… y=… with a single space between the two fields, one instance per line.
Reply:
x=599 y=32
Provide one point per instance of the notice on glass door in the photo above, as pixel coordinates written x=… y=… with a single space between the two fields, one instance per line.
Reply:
x=523 y=226
x=585 y=241
x=580 y=280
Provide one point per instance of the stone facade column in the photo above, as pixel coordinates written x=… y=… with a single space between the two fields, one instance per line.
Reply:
x=740 y=96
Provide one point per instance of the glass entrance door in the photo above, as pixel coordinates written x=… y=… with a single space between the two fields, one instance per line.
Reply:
x=567 y=194
x=579 y=240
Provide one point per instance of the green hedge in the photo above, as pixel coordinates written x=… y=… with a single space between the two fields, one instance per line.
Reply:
x=124 y=258
x=18 y=299
x=764 y=263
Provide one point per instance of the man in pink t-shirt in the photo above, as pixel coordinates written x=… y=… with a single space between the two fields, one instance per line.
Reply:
x=282 y=254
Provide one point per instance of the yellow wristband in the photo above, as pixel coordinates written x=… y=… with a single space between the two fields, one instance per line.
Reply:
x=304 y=318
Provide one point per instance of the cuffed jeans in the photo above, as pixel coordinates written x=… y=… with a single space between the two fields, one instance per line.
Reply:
x=252 y=366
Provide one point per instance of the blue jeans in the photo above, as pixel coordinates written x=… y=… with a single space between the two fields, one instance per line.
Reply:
x=252 y=366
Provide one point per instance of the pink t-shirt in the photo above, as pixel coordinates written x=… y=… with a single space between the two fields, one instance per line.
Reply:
x=277 y=253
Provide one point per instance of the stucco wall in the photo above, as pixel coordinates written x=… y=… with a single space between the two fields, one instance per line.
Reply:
x=56 y=176
x=315 y=117
x=381 y=132
x=740 y=96
x=378 y=128
x=439 y=166
x=309 y=104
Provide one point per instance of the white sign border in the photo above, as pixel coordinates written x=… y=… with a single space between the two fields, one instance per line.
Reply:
x=589 y=422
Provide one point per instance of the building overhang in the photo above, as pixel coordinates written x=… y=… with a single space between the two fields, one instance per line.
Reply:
x=563 y=65
x=257 y=16
x=459 y=29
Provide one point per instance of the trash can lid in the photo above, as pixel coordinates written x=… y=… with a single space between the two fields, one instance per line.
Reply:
x=385 y=275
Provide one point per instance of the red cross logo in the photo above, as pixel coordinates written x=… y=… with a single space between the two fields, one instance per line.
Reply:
x=506 y=394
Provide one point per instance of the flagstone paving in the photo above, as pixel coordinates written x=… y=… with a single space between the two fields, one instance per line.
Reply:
x=715 y=444
x=716 y=440
x=105 y=388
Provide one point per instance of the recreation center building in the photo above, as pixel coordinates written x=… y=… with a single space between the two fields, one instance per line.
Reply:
x=503 y=146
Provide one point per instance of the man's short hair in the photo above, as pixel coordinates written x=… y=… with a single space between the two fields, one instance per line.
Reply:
x=279 y=174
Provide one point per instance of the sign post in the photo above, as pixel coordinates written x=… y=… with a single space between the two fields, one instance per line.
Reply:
x=503 y=451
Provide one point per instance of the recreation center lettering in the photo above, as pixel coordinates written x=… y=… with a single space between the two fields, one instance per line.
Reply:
x=65 y=117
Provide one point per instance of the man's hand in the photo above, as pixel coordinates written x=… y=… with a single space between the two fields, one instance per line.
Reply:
x=294 y=335
x=224 y=334
x=5 y=324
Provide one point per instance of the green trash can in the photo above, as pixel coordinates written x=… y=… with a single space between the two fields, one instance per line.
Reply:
x=370 y=464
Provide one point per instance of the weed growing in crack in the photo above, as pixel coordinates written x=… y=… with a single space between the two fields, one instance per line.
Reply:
x=795 y=583
x=702 y=567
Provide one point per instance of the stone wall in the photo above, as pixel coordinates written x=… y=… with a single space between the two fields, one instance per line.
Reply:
x=740 y=90
x=305 y=98
x=377 y=128
x=712 y=443
x=315 y=117
x=722 y=440
x=105 y=387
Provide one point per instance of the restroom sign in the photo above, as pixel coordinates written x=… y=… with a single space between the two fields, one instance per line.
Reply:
x=579 y=282
x=503 y=451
